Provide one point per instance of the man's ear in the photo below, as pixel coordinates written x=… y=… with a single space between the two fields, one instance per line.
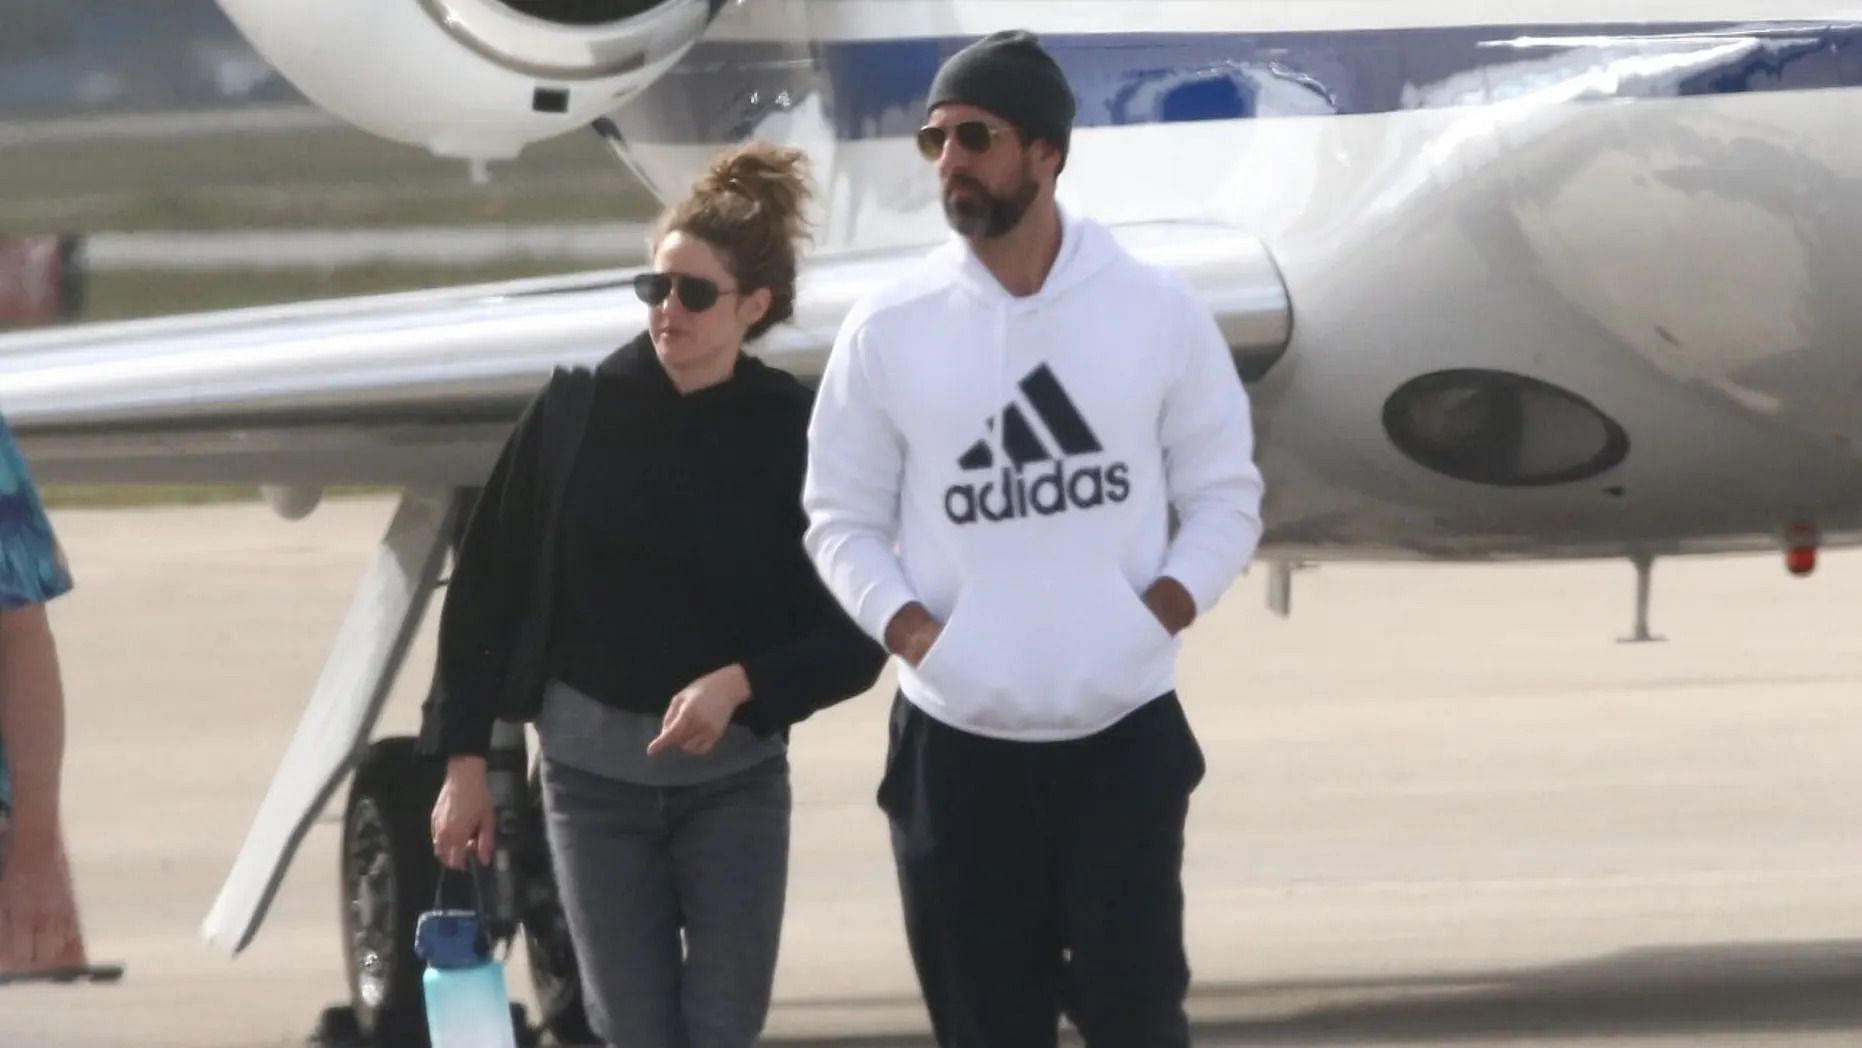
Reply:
x=1046 y=157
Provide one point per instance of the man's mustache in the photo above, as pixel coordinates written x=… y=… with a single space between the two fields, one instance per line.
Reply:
x=964 y=180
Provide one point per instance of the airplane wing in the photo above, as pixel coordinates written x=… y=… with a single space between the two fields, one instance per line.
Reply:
x=419 y=391
x=421 y=388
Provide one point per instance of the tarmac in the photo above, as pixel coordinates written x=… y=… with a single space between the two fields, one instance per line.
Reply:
x=1444 y=805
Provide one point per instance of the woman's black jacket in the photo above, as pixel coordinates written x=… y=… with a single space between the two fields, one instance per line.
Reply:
x=628 y=541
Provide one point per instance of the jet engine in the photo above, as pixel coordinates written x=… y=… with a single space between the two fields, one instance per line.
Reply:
x=475 y=79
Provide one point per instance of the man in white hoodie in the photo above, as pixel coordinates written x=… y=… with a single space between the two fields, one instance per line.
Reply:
x=997 y=445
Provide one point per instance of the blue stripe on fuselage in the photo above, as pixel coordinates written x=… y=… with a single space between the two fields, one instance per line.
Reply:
x=876 y=88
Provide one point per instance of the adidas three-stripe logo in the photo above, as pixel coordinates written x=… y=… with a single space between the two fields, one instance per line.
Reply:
x=1019 y=441
x=1016 y=493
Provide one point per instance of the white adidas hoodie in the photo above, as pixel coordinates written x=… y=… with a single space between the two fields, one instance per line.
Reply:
x=1022 y=453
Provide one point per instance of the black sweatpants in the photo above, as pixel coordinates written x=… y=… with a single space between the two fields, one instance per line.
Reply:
x=1042 y=877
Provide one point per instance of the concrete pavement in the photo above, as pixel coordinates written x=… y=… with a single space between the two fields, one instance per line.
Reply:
x=1443 y=805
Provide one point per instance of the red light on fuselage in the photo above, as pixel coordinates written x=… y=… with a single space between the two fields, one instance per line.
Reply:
x=1801 y=560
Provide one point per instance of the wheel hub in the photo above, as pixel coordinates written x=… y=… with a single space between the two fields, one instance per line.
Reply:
x=372 y=899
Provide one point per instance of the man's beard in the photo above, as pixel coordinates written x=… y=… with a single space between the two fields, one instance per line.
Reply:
x=983 y=215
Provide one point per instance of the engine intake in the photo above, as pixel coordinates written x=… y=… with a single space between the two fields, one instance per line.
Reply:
x=582 y=12
x=476 y=79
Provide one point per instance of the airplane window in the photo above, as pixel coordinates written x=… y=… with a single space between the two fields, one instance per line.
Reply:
x=582 y=12
x=1492 y=427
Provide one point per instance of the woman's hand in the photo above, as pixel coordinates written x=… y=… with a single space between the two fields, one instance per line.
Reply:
x=464 y=819
x=698 y=715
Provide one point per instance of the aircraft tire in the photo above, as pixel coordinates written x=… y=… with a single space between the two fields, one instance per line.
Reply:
x=387 y=878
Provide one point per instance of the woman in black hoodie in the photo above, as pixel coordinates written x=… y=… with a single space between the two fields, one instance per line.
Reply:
x=686 y=629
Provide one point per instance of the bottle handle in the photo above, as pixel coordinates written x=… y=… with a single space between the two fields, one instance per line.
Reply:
x=471 y=873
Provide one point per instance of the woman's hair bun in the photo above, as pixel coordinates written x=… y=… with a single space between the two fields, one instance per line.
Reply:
x=774 y=178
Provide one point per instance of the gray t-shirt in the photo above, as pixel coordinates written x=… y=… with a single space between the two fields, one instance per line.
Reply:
x=591 y=736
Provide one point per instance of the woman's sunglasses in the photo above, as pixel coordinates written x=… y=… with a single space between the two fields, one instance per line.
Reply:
x=974 y=136
x=696 y=294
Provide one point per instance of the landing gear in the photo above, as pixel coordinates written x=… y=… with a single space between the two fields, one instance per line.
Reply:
x=387 y=871
x=388 y=877
x=1645 y=570
x=387 y=881
x=1280 y=585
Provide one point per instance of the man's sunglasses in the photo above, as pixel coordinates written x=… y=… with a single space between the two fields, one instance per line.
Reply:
x=696 y=294
x=975 y=136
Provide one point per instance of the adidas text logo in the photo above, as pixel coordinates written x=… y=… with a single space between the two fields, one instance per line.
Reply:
x=1016 y=492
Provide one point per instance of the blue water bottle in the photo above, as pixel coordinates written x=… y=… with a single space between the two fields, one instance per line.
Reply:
x=467 y=1003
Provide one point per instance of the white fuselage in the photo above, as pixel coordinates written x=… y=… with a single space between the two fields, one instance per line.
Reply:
x=1654 y=206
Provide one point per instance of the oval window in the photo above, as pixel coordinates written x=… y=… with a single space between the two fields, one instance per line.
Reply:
x=1492 y=427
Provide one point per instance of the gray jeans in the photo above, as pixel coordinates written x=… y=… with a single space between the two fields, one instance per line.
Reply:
x=639 y=865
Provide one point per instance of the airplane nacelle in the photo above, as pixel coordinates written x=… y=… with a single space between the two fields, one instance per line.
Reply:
x=475 y=79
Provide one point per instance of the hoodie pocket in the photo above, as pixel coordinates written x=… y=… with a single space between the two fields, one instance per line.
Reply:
x=944 y=664
x=1138 y=640
x=1147 y=621
x=1046 y=654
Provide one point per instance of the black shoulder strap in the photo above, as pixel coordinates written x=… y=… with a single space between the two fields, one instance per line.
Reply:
x=566 y=405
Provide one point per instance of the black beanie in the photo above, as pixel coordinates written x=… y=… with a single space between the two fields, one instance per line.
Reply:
x=1010 y=75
